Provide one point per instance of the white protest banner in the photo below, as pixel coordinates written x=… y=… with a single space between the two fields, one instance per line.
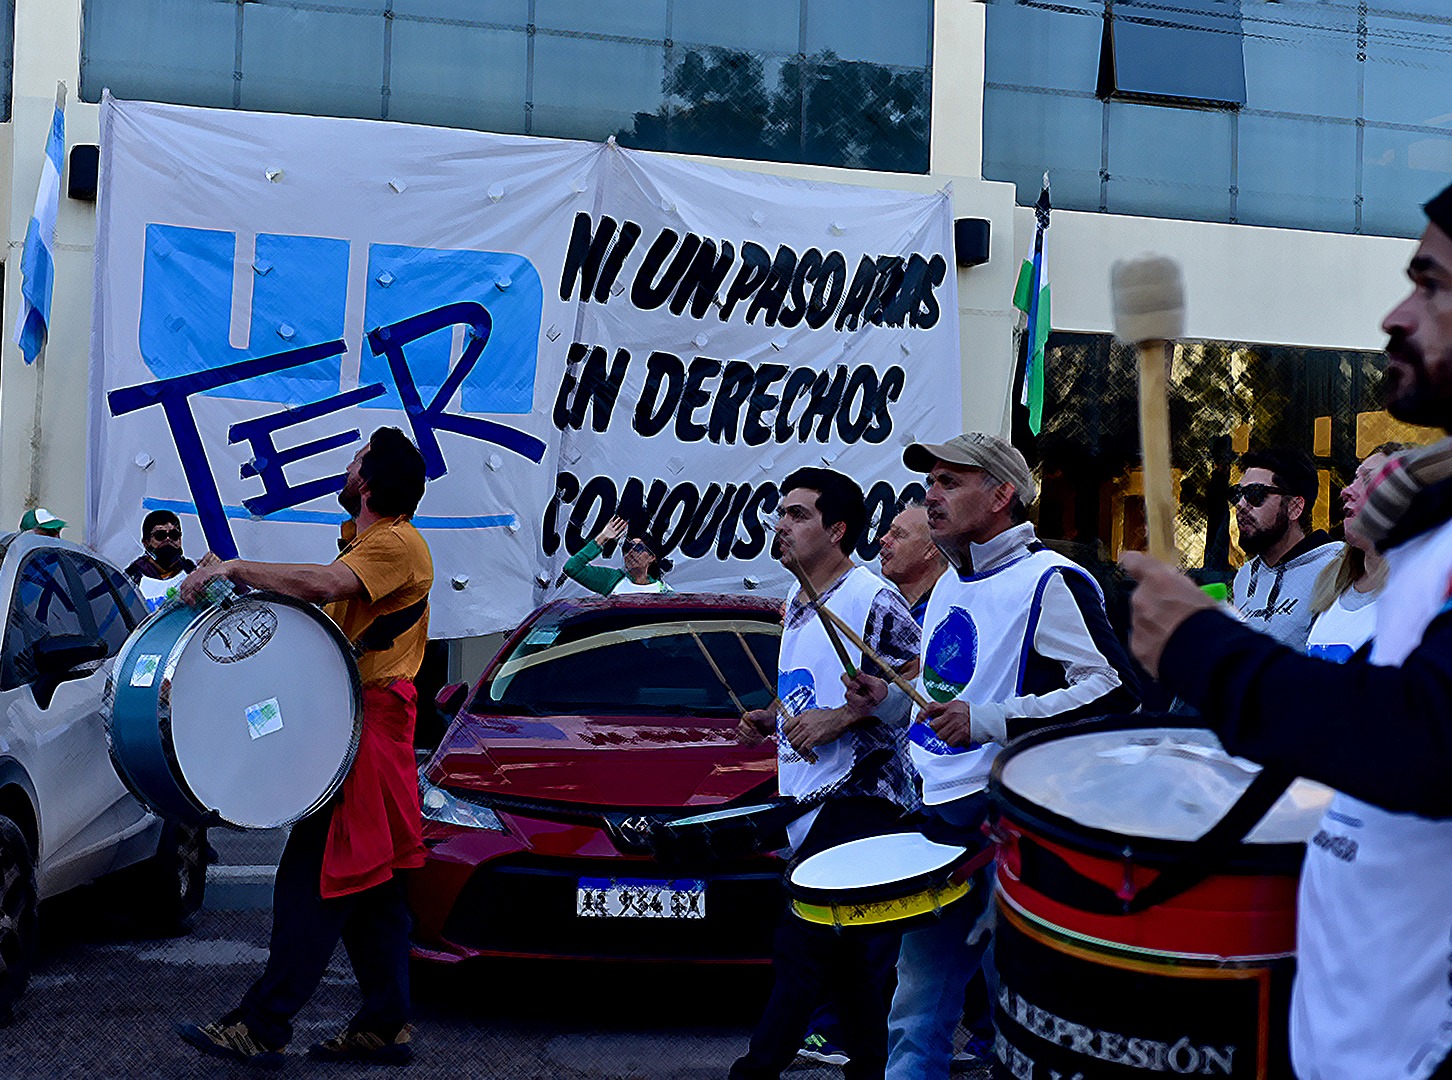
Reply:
x=567 y=330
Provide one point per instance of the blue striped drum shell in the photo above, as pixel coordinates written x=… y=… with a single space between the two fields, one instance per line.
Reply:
x=244 y=713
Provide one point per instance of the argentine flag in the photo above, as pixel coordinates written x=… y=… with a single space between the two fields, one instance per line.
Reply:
x=37 y=261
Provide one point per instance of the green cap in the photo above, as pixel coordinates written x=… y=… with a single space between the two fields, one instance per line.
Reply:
x=40 y=518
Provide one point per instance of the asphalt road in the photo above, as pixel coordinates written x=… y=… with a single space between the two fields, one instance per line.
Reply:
x=102 y=1003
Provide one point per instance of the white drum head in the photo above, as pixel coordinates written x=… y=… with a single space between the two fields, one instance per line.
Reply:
x=1162 y=783
x=261 y=731
x=875 y=860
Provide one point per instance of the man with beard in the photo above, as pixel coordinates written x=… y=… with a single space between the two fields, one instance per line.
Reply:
x=338 y=874
x=1378 y=727
x=1273 y=509
x=163 y=564
x=835 y=747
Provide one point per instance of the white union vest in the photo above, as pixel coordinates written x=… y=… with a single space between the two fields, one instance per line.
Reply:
x=809 y=676
x=976 y=637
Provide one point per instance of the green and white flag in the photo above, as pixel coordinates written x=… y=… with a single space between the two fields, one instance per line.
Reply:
x=1031 y=296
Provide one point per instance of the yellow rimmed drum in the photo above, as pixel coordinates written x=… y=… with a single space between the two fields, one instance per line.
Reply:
x=892 y=882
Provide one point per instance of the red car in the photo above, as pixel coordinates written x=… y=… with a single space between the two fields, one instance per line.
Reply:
x=599 y=722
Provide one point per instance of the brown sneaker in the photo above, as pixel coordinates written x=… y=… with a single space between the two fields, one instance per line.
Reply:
x=366 y=1046
x=233 y=1042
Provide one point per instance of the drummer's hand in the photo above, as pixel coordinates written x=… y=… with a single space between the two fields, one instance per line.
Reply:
x=756 y=725
x=815 y=727
x=1163 y=599
x=211 y=558
x=614 y=529
x=951 y=721
x=194 y=585
x=864 y=693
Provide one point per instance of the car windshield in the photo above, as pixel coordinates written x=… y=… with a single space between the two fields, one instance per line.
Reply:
x=626 y=666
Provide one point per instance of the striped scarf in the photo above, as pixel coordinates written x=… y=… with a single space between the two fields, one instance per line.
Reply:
x=1384 y=518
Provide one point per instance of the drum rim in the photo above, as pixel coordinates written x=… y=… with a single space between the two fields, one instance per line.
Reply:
x=938 y=878
x=813 y=911
x=168 y=752
x=1006 y=803
x=163 y=700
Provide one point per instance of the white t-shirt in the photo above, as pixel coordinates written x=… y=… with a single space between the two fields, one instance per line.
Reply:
x=625 y=585
x=1374 y=920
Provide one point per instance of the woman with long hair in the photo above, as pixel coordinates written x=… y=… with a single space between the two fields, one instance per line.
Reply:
x=1344 y=598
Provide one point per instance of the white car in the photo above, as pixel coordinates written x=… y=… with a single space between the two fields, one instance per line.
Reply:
x=65 y=818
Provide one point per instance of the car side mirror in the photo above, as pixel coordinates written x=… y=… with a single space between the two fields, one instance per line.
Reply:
x=451 y=698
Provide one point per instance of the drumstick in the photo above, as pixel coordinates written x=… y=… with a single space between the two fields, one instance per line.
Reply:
x=776 y=702
x=897 y=680
x=740 y=708
x=836 y=641
x=1149 y=313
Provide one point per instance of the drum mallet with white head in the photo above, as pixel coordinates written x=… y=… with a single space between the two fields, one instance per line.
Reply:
x=1149 y=313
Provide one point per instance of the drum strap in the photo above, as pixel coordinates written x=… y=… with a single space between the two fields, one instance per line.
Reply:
x=384 y=630
x=1055 y=878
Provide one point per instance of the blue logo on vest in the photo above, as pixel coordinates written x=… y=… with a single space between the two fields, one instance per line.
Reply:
x=797 y=690
x=951 y=656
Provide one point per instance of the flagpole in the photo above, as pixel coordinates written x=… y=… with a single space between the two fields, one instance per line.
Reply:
x=37 y=422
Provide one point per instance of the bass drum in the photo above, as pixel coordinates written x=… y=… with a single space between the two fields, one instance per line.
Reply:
x=245 y=713
x=1146 y=903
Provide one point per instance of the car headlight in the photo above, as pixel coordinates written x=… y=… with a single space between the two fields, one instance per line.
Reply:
x=438 y=805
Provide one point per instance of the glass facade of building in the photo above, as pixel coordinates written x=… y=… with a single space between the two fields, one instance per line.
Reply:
x=830 y=82
x=1345 y=123
x=7 y=56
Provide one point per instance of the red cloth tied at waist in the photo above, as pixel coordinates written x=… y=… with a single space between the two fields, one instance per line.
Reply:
x=376 y=826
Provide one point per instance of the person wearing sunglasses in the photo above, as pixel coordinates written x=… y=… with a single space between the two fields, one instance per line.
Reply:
x=1272 y=505
x=643 y=571
x=1374 y=919
x=162 y=566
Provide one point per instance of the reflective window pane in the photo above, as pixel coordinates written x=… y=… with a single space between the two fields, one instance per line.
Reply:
x=458 y=76
x=693 y=76
x=590 y=89
x=897 y=34
x=7 y=55
x=507 y=12
x=1301 y=57
x=1190 y=51
x=1408 y=71
x=1297 y=173
x=771 y=27
x=625 y=18
x=1193 y=181
x=182 y=51
x=1053 y=49
x=1025 y=133
x=283 y=65
x=1400 y=170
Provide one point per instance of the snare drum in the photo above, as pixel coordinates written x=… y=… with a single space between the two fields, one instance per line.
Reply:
x=892 y=882
x=245 y=713
x=1096 y=819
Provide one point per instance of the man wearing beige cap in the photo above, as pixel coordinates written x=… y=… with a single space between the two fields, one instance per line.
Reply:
x=1015 y=637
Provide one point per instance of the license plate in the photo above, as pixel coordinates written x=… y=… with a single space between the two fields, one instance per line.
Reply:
x=632 y=898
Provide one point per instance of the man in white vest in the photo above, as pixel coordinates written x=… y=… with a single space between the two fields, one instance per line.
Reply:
x=834 y=742
x=1377 y=728
x=1015 y=637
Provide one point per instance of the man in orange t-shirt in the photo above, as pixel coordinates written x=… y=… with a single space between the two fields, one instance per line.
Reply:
x=337 y=877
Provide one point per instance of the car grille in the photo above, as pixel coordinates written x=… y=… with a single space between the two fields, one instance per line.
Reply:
x=526 y=905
